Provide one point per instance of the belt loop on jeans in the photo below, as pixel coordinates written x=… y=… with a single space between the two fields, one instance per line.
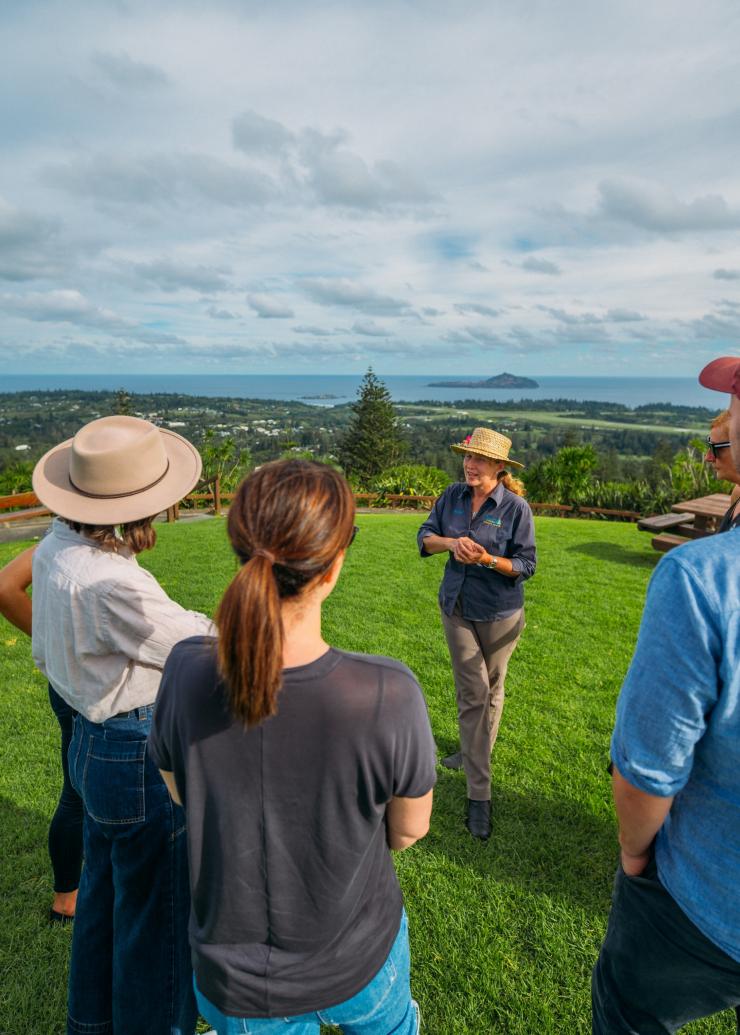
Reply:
x=139 y=713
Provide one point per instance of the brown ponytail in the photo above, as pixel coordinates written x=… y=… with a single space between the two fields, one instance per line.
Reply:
x=515 y=485
x=287 y=524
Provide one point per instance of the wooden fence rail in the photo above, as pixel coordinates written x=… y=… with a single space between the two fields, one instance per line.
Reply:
x=26 y=505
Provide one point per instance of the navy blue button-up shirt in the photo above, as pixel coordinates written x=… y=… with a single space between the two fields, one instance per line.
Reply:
x=504 y=528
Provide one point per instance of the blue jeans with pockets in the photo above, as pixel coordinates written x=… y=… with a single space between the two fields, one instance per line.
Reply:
x=383 y=1007
x=130 y=972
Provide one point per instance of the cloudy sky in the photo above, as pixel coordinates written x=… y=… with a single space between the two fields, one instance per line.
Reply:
x=542 y=186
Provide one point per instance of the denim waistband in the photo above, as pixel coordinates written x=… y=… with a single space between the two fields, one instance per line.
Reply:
x=141 y=714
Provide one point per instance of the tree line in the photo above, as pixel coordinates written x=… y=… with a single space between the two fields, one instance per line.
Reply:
x=382 y=449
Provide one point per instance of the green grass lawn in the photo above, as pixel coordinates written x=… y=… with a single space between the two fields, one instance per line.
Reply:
x=503 y=935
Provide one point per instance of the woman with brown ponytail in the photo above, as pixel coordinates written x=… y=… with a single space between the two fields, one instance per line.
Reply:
x=299 y=766
x=485 y=525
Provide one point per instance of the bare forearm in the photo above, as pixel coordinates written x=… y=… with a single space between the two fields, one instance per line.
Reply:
x=15 y=578
x=503 y=564
x=640 y=816
x=438 y=543
x=169 y=779
x=16 y=607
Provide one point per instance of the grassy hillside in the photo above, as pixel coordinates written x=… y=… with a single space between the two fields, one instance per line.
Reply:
x=504 y=935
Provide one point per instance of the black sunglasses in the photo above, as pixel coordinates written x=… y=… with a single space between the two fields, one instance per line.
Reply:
x=355 y=530
x=714 y=446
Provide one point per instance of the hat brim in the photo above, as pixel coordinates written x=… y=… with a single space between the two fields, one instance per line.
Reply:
x=462 y=448
x=722 y=375
x=52 y=486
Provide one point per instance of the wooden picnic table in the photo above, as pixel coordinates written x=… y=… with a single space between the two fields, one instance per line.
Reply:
x=689 y=519
x=708 y=511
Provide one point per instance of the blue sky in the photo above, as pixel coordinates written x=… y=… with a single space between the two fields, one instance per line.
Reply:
x=543 y=187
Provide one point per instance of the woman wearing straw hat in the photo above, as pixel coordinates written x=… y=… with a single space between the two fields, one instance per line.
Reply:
x=486 y=527
x=102 y=630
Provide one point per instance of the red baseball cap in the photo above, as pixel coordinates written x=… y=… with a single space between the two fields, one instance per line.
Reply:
x=723 y=375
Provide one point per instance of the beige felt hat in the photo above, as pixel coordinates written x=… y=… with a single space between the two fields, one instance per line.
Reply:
x=488 y=443
x=116 y=469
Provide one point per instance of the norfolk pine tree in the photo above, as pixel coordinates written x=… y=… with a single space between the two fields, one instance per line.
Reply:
x=373 y=441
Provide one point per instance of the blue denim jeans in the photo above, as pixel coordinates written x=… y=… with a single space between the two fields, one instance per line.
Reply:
x=130 y=971
x=383 y=1007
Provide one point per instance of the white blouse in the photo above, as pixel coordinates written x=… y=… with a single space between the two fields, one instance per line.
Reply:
x=103 y=627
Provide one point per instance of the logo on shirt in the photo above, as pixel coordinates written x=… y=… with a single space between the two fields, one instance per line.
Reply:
x=495 y=521
x=458 y=510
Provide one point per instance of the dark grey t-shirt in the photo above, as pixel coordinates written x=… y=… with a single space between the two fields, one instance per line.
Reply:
x=295 y=900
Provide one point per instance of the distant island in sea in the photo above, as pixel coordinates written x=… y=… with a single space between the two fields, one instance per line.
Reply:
x=499 y=381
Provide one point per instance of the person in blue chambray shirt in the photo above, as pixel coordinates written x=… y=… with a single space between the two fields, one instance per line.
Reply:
x=672 y=947
x=486 y=527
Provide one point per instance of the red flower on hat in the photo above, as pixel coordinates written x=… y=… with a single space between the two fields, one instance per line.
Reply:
x=467 y=439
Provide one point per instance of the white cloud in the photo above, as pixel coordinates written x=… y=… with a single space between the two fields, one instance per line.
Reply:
x=654 y=207
x=318 y=332
x=170 y=275
x=122 y=71
x=342 y=292
x=255 y=134
x=160 y=179
x=269 y=308
x=29 y=246
x=624 y=316
x=67 y=306
x=534 y=265
x=476 y=307
x=62 y=307
x=449 y=183
x=369 y=329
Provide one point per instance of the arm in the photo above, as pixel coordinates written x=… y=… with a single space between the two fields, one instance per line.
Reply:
x=139 y=620
x=430 y=537
x=169 y=779
x=15 y=578
x=438 y=543
x=407 y=820
x=522 y=558
x=641 y=816
x=665 y=701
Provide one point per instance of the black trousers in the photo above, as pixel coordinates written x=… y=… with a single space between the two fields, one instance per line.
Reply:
x=65 y=830
x=656 y=970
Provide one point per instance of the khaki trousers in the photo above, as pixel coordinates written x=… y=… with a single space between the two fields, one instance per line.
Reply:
x=480 y=652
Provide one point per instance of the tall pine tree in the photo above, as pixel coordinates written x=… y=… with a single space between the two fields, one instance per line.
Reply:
x=373 y=441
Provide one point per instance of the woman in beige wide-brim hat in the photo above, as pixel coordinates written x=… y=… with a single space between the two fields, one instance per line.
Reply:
x=102 y=629
x=485 y=525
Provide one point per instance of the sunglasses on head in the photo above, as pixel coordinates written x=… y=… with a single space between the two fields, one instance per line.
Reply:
x=714 y=446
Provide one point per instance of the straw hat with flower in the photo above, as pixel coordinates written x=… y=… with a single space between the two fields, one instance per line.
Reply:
x=488 y=443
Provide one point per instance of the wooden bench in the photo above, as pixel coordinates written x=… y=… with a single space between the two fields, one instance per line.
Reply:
x=665 y=542
x=662 y=522
x=626 y=515
x=560 y=508
x=399 y=497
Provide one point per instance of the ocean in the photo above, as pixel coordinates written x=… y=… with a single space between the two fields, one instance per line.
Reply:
x=336 y=389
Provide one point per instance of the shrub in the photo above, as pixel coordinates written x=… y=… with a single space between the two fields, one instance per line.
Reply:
x=410 y=480
x=563 y=478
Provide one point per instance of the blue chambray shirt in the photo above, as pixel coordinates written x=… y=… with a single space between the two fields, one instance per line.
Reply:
x=504 y=527
x=678 y=728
